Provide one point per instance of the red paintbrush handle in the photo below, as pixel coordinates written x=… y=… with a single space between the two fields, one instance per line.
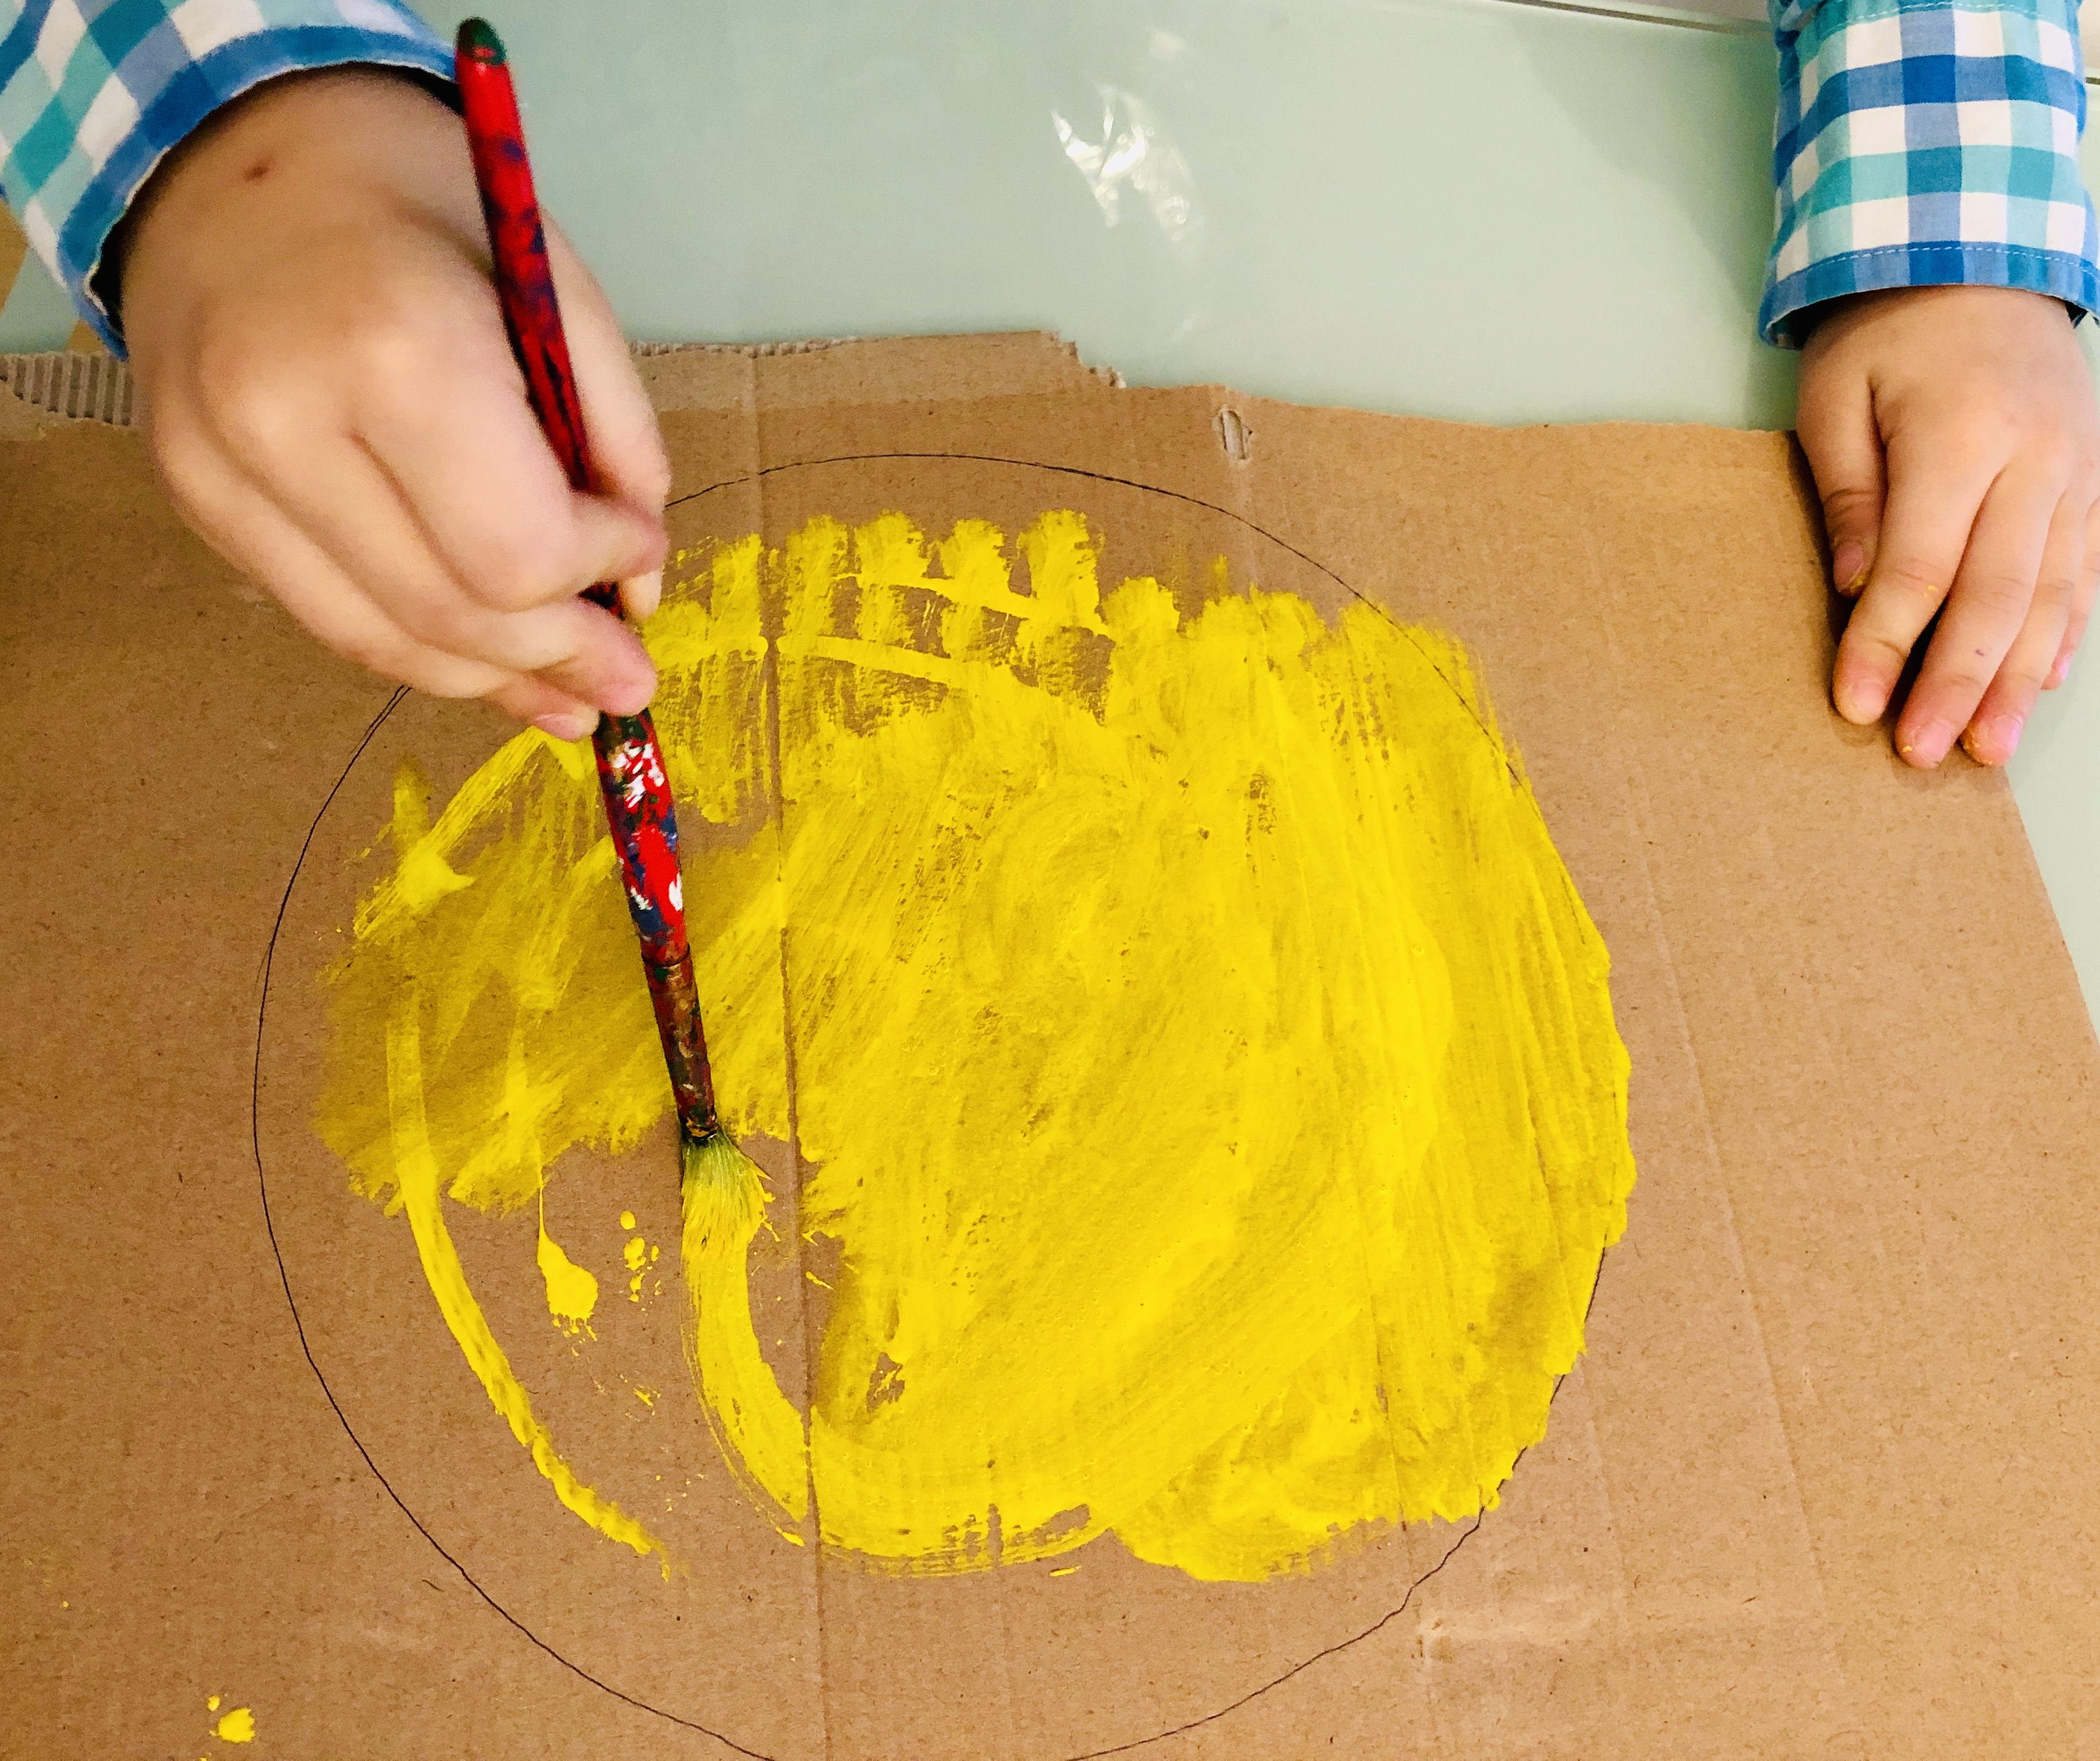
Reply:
x=645 y=833
x=638 y=804
x=518 y=242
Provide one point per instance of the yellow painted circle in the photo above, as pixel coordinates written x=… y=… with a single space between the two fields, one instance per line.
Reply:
x=1204 y=1065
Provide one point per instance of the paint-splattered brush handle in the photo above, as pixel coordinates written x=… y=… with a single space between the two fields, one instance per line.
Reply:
x=638 y=804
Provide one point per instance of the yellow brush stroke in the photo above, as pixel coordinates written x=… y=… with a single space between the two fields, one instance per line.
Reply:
x=237 y=1726
x=1206 y=1064
x=416 y=1169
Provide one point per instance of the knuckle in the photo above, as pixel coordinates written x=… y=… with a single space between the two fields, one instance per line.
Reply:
x=1879 y=653
x=1998 y=599
x=2017 y=681
x=1912 y=580
x=439 y=624
x=1995 y=430
x=1960 y=680
x=655 y=478
x=1847 y=505
x=384 y=652
x=2057 y=588
x=505 y=580
x=255 y=396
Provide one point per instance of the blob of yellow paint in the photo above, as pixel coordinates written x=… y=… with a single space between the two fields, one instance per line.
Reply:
x=237 y=1726
x=1206 y=1069
x=571 y=1291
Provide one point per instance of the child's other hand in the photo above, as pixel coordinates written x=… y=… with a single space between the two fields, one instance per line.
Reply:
x=1956 y=443
x=332 y=400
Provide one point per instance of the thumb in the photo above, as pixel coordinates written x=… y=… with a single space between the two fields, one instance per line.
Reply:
x=1843 y=443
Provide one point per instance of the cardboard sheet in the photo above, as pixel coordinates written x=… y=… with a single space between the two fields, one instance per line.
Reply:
x=1817 y=1484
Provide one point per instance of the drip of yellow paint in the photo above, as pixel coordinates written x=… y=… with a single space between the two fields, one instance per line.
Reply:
x=237 y=1726
x=415 y=1168
x=1264 y=1119
x=571 y=1291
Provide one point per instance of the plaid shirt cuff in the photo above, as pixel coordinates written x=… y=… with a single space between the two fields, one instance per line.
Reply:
x=94 y=93
x=1924 y=142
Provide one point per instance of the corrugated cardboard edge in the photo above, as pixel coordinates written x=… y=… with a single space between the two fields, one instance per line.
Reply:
x=99 y=388
x=72 y=387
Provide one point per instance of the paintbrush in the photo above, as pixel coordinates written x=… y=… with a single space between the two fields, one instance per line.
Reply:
x=720 y=1184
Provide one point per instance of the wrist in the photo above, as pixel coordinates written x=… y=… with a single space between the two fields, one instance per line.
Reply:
x=316 y=132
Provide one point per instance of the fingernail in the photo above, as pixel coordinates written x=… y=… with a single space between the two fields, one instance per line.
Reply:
x=642 y=593
x=1848 y=566
x=1861 y=700
x=1927 y=744
x=1993 y=739
x=2057 y=674
x=566 y=724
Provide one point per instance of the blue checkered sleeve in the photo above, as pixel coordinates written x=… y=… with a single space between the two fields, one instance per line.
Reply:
x=1921 y=142
x=94 y=93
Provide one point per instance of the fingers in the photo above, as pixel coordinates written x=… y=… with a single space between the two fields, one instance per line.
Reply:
x=546 y=707
x=1839 y=432
x=1994 y=729
x=1931 y=506
x=2081 y=605
x=360 y=519
x=446 y=416
x=331 y=606
x=464 y=452
x=421 y=636
x=627 y=447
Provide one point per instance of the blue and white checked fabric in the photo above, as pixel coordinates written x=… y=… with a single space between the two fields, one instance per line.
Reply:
x=94 y=93
x=1921 y=143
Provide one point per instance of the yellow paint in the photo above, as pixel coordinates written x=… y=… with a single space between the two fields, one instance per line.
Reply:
x=1206 y=1068
x=627 y=1219
x=571 y=1291
x=639 y=1256
x=237 y=1726
x=211 y=1703
x=415 y=1169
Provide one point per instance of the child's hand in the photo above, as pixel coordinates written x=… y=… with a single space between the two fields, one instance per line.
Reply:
x=1955 y=441
x=332 y=400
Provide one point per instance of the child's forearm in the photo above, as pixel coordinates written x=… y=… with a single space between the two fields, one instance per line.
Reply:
x=86 y=114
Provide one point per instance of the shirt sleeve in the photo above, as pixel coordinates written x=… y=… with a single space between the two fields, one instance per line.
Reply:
x=1921 y=142
x=94 y=93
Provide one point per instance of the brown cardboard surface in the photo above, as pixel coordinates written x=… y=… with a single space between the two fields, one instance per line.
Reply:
x=1819 y=1486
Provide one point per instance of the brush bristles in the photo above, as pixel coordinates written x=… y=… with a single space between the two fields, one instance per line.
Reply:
x=720 y=1185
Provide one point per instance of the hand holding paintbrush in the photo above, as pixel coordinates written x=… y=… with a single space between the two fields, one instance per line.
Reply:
x=638 y=803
